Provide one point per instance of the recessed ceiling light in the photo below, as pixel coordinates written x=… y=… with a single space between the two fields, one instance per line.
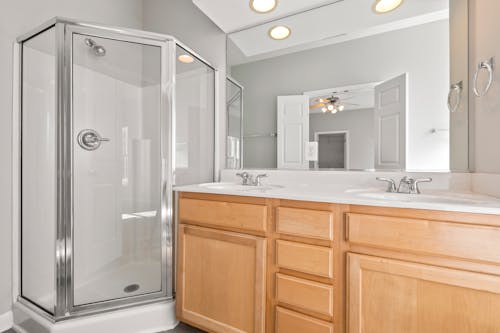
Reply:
x=385 y=6
x=185 y=58
x=263 y=6
x=279 y=32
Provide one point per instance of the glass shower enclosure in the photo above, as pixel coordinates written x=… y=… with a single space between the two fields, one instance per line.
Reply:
x=98 y=146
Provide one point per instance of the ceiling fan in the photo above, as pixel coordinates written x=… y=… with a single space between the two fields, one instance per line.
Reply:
x=332 y=104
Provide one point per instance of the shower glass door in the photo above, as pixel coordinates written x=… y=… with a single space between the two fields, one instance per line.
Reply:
x=117 y=169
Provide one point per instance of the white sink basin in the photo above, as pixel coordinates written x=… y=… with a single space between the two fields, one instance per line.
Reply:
x=239 y=187
x=438 y=199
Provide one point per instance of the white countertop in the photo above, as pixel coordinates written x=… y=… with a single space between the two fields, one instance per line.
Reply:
x=341 y=194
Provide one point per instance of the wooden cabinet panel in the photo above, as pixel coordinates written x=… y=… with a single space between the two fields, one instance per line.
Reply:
x=304 y=222
x=293 y=322
x=394 y=296
x=304 y=294
x=310 y=259
x=430 y=237
x=221 y=280
x=223 y=214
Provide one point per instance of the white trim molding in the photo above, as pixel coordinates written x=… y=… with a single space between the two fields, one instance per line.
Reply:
x=16 y=165
x=6 y=321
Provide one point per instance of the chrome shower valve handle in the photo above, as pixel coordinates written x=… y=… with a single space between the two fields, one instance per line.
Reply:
x=90 y=139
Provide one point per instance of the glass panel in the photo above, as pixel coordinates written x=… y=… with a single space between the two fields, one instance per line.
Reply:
x=195 y=115
x=39 y=170
x=117 y=181
x=234 y=109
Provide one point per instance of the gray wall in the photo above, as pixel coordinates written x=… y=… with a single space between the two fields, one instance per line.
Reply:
x=360 y=126
x=182 y=19
x=370 y=59
x=485 y=29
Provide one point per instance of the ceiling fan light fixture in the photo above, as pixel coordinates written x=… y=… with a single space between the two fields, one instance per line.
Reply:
x=386 y=6
x=341 y=107
x=324 y=109
x=330 y=107
x=263 y=6
x=279 y=32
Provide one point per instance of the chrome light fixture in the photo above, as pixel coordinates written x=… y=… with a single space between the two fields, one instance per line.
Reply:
x=263 y=6
x=280 y=32
x=386 y=6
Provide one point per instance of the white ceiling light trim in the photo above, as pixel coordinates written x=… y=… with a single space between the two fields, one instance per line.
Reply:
x=385 y=6
x=280 y=32
x=263 y=6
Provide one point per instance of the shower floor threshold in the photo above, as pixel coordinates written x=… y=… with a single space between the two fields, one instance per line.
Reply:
x=151 y=318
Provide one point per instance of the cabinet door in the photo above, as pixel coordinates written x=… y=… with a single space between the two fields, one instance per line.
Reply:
x=394 y=296
x=221 y=280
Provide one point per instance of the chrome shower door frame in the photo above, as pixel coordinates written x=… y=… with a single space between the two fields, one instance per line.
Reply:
x=64 y=270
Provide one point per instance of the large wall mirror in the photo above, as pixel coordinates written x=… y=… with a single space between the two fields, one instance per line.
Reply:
x=344 y=86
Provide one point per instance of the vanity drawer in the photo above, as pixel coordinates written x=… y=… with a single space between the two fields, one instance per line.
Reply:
x=304 y=294
x=459 y=240
x=305 y=258
x=305 y=223
x=292 y=322
x=223 y=214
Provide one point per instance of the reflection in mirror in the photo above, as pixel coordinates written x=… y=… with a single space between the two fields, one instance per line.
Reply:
x=351 y=88
x=194 y=119
x=234 y=116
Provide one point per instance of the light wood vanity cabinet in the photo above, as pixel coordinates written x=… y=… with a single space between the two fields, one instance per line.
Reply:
x=221 y=282
x=399 y=296
x=419 y=271
x=249 y=264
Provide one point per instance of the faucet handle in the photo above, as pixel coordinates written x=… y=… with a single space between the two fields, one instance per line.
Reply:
x=391 y=184
x=257 y=179
x=245 y=177
x=421 y=180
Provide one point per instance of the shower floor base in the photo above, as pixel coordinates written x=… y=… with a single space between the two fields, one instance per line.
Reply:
x=134 y=278
x=151 y=318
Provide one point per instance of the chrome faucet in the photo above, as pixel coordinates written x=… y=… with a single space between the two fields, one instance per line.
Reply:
x=406 y=184
x=258 y=178
x=391 y=184
x=411 y=184
x=248 y=179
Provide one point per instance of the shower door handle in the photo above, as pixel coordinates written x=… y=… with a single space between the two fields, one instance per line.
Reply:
x=89 y=139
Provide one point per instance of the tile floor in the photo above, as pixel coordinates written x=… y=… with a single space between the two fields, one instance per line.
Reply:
x=182 y=328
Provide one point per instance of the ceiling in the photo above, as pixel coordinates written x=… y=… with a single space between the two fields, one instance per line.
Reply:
x=313 y=23
x=233 y=15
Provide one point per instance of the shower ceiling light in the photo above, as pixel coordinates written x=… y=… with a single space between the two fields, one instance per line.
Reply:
x=385 y=6
x=279 y=32
x=185 y=58
x=263 y=6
